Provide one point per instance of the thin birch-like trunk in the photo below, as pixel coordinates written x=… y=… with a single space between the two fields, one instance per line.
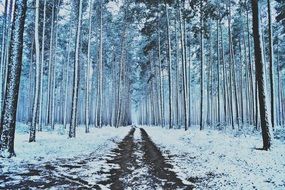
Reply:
x=37 y=84
x=73 y=123
x=42 y=69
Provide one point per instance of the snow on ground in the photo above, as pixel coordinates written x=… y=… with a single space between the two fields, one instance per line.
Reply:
x=222 y=160
x=54 y=146
x=211 y=159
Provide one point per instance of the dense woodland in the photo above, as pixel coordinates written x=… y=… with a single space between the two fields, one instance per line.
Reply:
x=173 y=64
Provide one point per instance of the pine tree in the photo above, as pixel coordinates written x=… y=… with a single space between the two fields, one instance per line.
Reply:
x=37 y=85
x=14 y=72
x=260 y=76
x=202 y=65
x=74 y=107
x=271 y=63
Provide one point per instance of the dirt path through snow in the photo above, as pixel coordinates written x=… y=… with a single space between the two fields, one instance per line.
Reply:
x=137 y=163
x=142 y=166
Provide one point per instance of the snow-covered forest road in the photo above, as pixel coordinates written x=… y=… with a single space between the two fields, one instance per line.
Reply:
x=142 y=166
x=144 y=157
x=136 y=163
x=144 y=94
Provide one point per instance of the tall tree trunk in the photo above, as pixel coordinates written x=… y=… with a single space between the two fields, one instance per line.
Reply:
x=73 y=124
x=202 y=64
x=88 y=69
x=66 y=92
x=14 y=72
x=113 y=88
x=235 y=89
x=49 y=91
x=253 y=110
x=260 y=76
x=184 y=73
x=169 y=66
x=119 y=101
x=232 y=69
x=8 y=34
x=247 y=85
x=53 y=72
x=177 y=106
x=241 y=83
x=3 y=45
x=37 y=85
x=101 y=67
x=42 y=69
x=189 y=81
x=218 y=74
x=209 y=89
x=279 y=90
x=31 y=84
x=271 y=56
x=161 y=98
x=224 y=75
x=209 y=81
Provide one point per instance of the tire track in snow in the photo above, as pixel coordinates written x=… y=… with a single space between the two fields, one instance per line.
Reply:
x=159 y=167
x=137 y=163
x=142 y=166
x=124 y=158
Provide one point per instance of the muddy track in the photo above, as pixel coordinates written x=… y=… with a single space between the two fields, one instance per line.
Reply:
x=156 y=173
x=125 y=159
x=137 y=163
x=158 y=165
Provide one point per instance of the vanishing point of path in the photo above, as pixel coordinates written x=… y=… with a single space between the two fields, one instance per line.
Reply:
x=139 y=165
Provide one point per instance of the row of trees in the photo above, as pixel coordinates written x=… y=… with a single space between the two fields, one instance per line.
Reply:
x=179 y=62
x=201 y=65
x=78 y=66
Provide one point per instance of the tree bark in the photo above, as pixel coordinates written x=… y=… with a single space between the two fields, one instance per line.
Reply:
x=184 y=73
x=67 y=82
x=271 y=60
x=42 y=68
x=49 y=93
x=73 y=124
x=260 y=76
x=224 y=76
x=169 y=66
x=88 y=69
x=37 y=85
x=161 y=98
x=202 y=64
x=101 y=67
x=3 y=45
x=218 y=75
x=14 y=72
x=253 y=111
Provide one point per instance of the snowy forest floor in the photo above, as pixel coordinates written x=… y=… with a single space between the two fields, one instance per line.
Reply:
x=144 y=158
